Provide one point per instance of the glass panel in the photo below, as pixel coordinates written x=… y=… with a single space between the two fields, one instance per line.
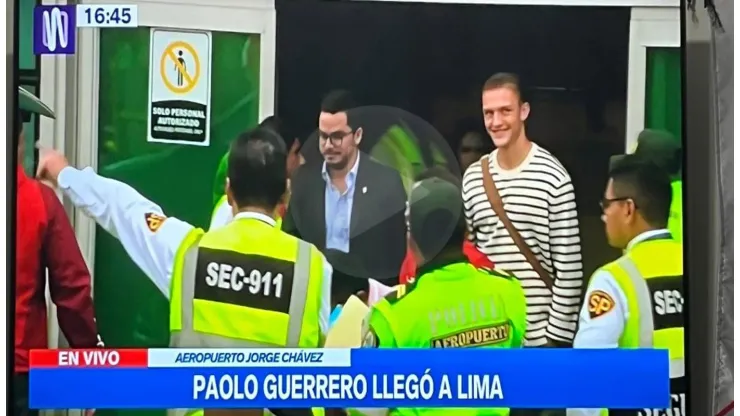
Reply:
x=29 y=137
x=131 y=312
x=26 y=58
x=663 y=90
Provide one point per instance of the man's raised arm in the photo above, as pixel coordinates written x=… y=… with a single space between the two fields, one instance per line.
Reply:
x=148 y=236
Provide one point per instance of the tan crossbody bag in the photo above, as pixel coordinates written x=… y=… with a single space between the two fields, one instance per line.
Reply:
x=494 y=198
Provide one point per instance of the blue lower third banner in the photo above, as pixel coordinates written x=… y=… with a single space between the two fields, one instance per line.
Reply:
x=364 y=378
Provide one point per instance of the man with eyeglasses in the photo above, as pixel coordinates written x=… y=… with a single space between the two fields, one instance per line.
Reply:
x=349 y=202
x=637 y=301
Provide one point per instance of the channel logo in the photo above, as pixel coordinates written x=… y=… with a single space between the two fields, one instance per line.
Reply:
x=54 y=30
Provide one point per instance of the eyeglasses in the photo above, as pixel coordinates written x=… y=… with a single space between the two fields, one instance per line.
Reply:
x=606 y=202
x=335 y=138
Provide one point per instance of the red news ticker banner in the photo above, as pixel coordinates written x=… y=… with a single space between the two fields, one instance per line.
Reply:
x=89 y=358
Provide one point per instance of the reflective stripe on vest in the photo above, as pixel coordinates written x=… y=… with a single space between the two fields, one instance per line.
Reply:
x=647 y=325
x=641 y=328
x=186 y=336
x=643 y=303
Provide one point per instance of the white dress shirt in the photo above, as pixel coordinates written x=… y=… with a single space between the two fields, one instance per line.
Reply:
x=222 y=214
x=605 y=330
x=338 y=208
x=122 y=211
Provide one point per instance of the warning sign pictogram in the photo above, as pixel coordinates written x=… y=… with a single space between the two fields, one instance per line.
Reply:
x=180 y=67
x=179 y=87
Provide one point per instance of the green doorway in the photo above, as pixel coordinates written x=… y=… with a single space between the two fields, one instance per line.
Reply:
x=131 y=312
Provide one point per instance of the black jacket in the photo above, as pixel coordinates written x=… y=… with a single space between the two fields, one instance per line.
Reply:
x=377 y=222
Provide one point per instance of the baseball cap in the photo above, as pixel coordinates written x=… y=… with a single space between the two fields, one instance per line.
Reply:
x=435 y=211
x=29 y=103
x=656 y=146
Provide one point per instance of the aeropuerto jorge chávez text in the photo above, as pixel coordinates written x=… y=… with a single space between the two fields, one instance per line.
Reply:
x=250 y=357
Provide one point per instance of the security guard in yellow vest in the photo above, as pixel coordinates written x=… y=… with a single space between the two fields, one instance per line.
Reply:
x=451 y=304
x=664 y=150
x=246 y=284
x=637 y=301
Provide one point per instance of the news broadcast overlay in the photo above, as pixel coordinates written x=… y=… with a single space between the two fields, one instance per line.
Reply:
x=348 y=378
x=55 y=27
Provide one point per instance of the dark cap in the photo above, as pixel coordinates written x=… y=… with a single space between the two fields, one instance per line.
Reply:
x=435 y=210
x=657 y=146
x=29 y=103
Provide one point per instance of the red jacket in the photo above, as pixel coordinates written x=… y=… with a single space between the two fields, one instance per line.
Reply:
x=475 y=257
x=45 y=240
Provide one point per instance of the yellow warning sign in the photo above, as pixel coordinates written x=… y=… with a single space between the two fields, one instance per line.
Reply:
x=179 y=67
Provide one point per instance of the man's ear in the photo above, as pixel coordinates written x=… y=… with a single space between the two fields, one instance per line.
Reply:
x=524 y=111
x=358 y=136
x=229 y=195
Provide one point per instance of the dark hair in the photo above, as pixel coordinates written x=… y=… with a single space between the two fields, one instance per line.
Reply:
x=647 y=185
x=469 y=125
x=340 y=101
x=274 y=123
x=673 y=162
x=475 y=126
x=504 y=80
x=441 y=173
x=429 y=237
x=438 y=224
x=277 y=125
x=441 y=229
x=256 y=169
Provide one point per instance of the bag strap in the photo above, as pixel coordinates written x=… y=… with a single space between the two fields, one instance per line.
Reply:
x=494 y=198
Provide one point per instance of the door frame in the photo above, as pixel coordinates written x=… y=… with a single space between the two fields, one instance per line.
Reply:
x=650 y=27
x=255 y=16
x=71 y=84
x=653 y=23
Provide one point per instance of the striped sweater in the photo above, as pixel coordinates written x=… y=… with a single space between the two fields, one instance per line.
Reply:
x=540 y=201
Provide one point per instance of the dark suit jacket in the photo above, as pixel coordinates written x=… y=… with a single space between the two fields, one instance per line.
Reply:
x=377 y=222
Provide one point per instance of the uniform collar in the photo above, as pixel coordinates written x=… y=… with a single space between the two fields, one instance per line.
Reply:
x=658 y=234
x=255 y=216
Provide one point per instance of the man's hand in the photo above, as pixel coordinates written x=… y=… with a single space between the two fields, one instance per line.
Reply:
x=51 y=164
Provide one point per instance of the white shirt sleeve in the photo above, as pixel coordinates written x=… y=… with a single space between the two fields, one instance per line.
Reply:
x=325 y=306
x=603 y=314
x=377 y=291
x=601 y=320
x=222 y=215
x=149 y=238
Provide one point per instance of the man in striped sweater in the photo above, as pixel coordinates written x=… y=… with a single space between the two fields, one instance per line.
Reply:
x=539 y=199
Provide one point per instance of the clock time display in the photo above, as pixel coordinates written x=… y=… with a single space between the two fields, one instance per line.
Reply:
x=107 y=15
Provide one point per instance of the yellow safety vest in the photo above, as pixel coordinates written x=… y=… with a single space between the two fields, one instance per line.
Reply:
x=651 y=276
x=675 y=220
x=212 y=290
